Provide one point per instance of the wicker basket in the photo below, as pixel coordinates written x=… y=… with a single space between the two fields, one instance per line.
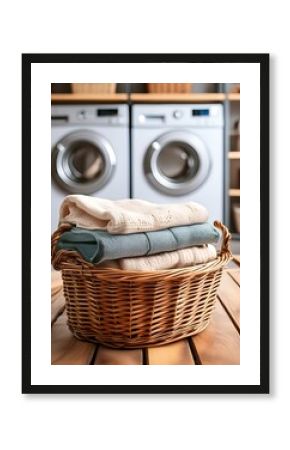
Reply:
x=94 y=88
x=132 y=309
x=169 y=88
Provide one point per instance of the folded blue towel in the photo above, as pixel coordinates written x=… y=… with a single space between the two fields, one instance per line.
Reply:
x=97 y=246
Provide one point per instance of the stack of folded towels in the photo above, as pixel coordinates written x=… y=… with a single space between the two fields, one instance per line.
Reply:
x=137 y=235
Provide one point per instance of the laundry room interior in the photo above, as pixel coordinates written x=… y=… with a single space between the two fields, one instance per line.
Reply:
x=160 y=142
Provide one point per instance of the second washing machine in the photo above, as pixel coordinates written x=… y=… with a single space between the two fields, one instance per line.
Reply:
x=178 y=154
x=90 y=152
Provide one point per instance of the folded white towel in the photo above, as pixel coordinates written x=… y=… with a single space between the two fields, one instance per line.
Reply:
x=128 y=215
x=168 y=260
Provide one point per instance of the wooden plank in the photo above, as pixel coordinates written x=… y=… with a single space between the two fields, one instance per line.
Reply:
x=235 y=274
x=231 y=265
x=65 y=349
x=234 y=192
x=237 y=259
x=98 y=98
x=111 y=356
x=57 y=305
x=177 y=353
x=234 y=97
x=229 y=294
x=179 y=98
x=143 y=97
x=234 y=155
x=56 y=282
x=219 y=343
x=57 y=298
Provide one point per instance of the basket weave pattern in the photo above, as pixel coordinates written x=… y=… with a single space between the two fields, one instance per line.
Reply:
x=132 y=309
x=93 y=88
x=169 y=88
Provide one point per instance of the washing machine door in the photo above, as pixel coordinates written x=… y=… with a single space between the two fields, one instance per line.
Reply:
x=83 y=162
x=177 y=163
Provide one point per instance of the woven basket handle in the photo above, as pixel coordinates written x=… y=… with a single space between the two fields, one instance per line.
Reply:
x=226 y=238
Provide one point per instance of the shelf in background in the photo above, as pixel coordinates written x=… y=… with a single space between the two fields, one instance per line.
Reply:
x=177 y=98
x=235 y=97
x=141 y=98
x=234 y=192
x=234 y=155
x=89 y=98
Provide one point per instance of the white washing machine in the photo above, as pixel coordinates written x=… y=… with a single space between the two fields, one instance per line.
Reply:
x=178 y=154
x=90 y=152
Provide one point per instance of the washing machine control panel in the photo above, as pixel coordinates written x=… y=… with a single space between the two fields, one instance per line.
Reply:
x=82 y=114
x=90 y=115
x=194 y=115
x=177 y=114
x=201 y=112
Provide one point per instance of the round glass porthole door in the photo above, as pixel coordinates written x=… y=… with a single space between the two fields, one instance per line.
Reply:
x=83 y=162
x=177 y=163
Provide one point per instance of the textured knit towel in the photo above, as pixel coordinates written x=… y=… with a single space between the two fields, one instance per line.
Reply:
x=169 y=260
x=96 y=246
x=128 y=215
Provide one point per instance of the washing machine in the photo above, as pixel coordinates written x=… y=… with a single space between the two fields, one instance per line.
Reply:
x=178 y=154
x=90 y=152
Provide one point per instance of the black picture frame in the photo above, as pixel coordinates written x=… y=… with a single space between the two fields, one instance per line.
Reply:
x=263 y=61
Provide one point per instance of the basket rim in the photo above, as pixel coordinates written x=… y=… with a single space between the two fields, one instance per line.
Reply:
x=72 y=262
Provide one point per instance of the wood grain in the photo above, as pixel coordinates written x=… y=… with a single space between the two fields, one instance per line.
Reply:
x=229 y=294
x=234 y=192
x=180 y=98
x=144 y=98
x=108 y=356
x=57 y=299
x=57 y=305
x=234 y=97
x=173 y=354
x=56 y=282
x=65 y=349
x=237 y=259
x=234 y=155
x=71 y=98
x=219 y=343
x=235 y=274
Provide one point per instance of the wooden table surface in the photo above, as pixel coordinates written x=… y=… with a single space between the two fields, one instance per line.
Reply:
x=218 y=344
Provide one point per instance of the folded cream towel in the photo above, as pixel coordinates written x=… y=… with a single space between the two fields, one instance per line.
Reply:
x=128 y=215
x=168 y=260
